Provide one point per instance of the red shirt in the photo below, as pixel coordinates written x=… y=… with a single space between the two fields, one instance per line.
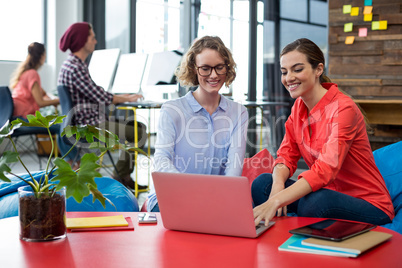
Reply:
x=338 y=151
x=24 y=102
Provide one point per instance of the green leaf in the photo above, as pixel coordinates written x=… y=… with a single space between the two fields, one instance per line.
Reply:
x=98 y=138
x=38 y=120
x=77 y=184
x=7 y=158
x=134 y=149
x=7 y=130
x=57 y=120
x=97 y=195
x=70 y=131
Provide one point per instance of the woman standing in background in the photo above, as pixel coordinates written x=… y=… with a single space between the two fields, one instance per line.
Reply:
x=28 y=94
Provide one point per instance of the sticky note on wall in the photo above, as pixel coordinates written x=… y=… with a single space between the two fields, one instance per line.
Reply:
x=347 y=9
x=367 y=10
x=354 y=11
x=363 y=32
x=375 y=25
x=348 y=27
x=383 y=25
x=368 y=17
x=349 y=40
x=368 y=2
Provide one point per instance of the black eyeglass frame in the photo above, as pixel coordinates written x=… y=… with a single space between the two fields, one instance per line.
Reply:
x=210 y=70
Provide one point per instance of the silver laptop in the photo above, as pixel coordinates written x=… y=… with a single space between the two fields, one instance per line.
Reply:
x=211 y=204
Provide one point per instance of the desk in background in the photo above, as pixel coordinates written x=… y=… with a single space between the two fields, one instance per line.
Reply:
x=154 y=246
x=133 y=106
x=271 y=119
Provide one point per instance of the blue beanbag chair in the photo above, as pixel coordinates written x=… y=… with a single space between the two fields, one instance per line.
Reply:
x=389 y=161
x=122 y=198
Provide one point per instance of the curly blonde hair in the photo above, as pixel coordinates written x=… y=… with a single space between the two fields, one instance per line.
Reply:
x=186 y=73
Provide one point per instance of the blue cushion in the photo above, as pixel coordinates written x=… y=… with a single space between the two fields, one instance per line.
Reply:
x=389 y=161
x=122 y=198
x=396 y=223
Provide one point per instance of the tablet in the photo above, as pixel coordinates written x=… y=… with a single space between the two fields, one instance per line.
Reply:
x=335 y=230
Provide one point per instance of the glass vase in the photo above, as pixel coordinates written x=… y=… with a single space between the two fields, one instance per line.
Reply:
x=42 y=215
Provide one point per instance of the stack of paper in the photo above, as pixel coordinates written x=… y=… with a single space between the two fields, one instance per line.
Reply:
x=108 y=223
x=351 y=247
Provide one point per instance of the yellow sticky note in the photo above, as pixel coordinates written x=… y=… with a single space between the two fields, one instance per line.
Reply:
x=348 y=27
x=354 y=11
x=375 y=25
x=363 y=32
x=349 y=40
x=368 y=17
x=383 y=25
x=347 y=9
x=368 y=10
x=91 y=222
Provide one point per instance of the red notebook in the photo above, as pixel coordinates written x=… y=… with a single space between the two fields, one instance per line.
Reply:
x=130 y=227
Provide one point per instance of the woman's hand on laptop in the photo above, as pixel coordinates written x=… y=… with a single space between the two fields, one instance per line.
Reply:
x=266 y=211
x=277 y=202
x=276 y=188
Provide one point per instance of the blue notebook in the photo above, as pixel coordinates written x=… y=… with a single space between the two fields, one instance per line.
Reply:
x=294 y=244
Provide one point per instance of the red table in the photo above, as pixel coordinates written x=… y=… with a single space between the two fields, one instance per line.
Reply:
x=154 y=246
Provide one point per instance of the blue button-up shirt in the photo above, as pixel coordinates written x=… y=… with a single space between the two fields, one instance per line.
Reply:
x=190 y=140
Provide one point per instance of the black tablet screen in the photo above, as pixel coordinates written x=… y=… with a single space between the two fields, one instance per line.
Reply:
x=336 y=230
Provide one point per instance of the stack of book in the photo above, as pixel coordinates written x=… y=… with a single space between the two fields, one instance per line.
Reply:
x=351 y=247
x=108 y=223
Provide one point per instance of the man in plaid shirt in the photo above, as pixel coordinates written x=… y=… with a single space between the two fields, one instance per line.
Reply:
x=90 y=101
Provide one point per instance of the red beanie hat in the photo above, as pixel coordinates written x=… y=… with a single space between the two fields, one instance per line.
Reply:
x=75 y=37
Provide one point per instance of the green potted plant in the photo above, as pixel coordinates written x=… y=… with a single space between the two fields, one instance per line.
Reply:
x=42 y=202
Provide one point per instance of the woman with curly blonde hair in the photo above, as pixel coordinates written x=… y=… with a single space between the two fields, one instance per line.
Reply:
x=202 y=132
x=185 y=73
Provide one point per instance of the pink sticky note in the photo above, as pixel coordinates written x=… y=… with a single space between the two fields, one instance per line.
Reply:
x=363 y=32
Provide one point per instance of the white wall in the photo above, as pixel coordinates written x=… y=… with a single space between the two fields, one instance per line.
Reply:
x=61 y=14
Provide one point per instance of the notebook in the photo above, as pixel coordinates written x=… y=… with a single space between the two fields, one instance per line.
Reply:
x=95 y=222
x=210 y=204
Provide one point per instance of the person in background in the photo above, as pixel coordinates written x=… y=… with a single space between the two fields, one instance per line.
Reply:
x=202 y=132
x=328 y=130
x=90 y=100
x=27 y=92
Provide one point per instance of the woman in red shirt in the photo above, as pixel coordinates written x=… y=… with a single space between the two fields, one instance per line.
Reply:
x=28 y=94
x=328 y=130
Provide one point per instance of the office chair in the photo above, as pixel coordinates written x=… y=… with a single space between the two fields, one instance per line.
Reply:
x=6 y=105
x=66 y=104
x=6 y=113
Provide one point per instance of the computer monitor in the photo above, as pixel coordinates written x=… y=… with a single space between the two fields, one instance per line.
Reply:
x=102 y=66
x=129 y=74
x=159 y=71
